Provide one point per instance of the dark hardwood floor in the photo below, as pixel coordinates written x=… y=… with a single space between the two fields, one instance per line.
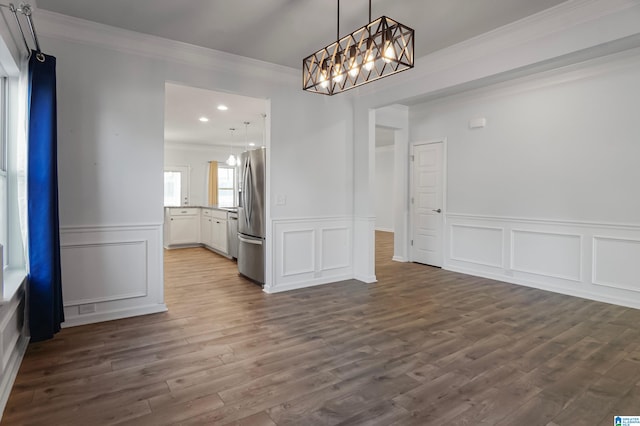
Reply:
x=422 y=346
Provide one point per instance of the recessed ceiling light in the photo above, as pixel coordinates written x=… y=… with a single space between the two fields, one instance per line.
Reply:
x=203 y=119
x=223 y=107
x=252 y=144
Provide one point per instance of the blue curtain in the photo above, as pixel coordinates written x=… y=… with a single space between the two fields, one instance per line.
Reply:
x=44 y=281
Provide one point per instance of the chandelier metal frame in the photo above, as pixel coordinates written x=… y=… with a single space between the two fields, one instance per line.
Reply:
x=379 y=49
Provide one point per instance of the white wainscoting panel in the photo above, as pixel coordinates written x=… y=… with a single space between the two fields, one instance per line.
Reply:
x=597 y=261
x=546 y=254
x=482 y=245
x=298 y=252
x=336 y=248
x=310 y=251
x=119 y=271
x=616 y=263
x=111 y=272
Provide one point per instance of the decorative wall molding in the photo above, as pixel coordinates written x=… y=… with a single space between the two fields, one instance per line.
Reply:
x=572 y=223
x=111 y=272
x=307 y=249
x=615 y=263
x=562 y=35
x=590 y=260
x=330 y=257
x=312 y=251
x=546 y=252
x=481 y=255
x=88 y=256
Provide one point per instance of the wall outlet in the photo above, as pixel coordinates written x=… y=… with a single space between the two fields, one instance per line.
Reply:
x=281 y=200
x=89 y=308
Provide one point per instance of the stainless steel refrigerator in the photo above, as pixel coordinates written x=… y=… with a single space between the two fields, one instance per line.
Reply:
x=251 y=214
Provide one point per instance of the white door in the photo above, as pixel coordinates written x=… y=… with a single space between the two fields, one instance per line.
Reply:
x=176 y=186
x=427 y=204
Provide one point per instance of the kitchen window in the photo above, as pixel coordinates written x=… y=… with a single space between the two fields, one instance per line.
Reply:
x=226 y=186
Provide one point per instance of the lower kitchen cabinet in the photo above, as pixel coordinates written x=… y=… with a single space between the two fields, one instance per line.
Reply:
x=181 y=226
x=214 y=230
x=192 y=226
x=219 y=236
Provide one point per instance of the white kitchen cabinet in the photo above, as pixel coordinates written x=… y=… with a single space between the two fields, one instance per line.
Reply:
x=181 y=226
x=213 y=230
x=206 y=230
x=219 y=240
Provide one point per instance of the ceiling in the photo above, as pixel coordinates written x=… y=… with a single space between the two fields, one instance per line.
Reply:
x=285 y=31
x=281 y=32
x=185 y=105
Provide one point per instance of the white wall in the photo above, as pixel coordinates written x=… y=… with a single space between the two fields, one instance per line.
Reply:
x=111 y=107
x=545 y=194
x=571 y=32
x=384 y=188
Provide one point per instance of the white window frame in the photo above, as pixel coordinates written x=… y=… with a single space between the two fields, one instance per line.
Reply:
x=235 y=184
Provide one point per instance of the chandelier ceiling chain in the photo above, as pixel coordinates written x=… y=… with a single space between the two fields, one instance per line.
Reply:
x=379 y=49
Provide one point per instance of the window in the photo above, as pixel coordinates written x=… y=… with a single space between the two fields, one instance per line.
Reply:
x=4 y=207
x=226 y=186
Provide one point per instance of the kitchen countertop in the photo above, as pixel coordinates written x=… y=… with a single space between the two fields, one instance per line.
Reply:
x=226 y=209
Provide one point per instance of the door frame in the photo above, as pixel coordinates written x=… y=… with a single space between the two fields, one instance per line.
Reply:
x=411 y=163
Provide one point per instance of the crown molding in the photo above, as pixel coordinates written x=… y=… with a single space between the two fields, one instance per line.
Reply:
x=540 y=37
x=68 y=28
x=550 y=21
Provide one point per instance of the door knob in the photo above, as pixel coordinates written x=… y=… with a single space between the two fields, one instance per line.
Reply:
x=437 y=211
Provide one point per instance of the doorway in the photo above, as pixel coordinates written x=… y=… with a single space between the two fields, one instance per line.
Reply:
x=205 y=134
x=427 y=203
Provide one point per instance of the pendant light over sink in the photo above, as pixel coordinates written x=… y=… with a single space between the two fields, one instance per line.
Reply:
x=232 y=161
x=379 y=49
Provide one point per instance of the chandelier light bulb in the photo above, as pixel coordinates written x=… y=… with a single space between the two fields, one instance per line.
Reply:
x=389 y=54
x=337 y=73
x=370 y=61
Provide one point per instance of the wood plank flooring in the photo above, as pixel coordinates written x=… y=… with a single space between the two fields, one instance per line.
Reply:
x=420 y=347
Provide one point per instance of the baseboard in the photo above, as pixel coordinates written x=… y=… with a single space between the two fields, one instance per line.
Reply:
x=9 y=376
x=367 y=279
x=114 y=315
x=399 y=259
x=547 y=287
x=304 y=284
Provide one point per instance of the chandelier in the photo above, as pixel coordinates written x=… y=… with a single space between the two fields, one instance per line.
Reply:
x=379 y=49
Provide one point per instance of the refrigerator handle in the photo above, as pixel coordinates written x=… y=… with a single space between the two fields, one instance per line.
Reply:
x=249 y=195
x=243 y=200
x=248 y=241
